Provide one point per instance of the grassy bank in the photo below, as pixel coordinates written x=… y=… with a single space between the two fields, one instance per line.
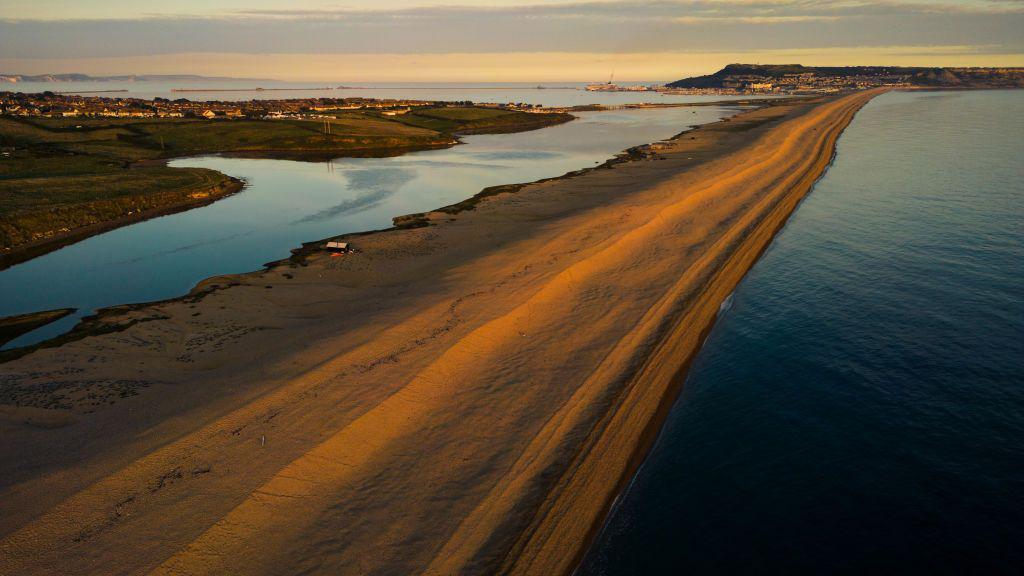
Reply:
x=478 y=120
x=62 y=179
x=13 y=326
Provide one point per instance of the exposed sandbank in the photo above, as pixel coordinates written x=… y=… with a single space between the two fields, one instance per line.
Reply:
x=464 y=397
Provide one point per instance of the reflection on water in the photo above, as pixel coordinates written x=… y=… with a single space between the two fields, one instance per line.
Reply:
x=288 y=202
x=372 y=186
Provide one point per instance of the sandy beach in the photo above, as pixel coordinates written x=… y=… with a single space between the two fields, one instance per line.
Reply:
x=466 y=397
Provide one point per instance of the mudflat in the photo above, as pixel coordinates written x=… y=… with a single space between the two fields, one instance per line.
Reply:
x=465 y=397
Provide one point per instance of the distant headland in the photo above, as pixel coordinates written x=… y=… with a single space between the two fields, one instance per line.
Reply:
x=74 y=77
x=796 y=78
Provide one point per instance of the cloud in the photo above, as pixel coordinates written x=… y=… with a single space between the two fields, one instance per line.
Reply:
x=547 y=67
x=654 y=8
x=580 y=27
x=752 y=19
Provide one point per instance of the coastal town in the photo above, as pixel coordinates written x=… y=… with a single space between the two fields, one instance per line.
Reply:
x=54 y=105
x=732 y=80
x=795 y=79
x=794 y=84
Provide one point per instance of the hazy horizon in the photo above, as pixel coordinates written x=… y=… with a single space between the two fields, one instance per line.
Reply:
x=495 y=40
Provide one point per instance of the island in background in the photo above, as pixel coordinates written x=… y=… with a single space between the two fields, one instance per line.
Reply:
x=76 y=77
x=798 y=79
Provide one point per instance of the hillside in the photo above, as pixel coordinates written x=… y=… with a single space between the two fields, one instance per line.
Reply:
x=880 y=75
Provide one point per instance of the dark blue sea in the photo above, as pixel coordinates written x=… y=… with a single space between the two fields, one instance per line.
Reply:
x=859 y=409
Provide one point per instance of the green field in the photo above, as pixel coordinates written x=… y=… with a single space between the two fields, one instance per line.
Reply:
x=55 y=180
x=63 y=174
x=346 y=134
x=477 y=120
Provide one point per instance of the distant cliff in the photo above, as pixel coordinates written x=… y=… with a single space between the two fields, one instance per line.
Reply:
x=916 y=76
x=15 y=78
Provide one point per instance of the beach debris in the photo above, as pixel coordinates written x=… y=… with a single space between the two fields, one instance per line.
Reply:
x=166 y=479
x=338 y=247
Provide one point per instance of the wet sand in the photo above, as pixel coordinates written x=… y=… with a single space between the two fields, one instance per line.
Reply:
x=466 y=397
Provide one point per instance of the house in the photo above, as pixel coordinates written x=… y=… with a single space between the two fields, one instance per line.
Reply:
x=338 y=247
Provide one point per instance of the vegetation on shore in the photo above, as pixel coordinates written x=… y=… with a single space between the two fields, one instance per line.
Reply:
x=479 y=120
x=13 y=326
x=61 y=178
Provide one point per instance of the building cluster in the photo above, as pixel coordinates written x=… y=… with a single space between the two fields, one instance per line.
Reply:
x=52 y=105
x=610 y=87
x=802 y=83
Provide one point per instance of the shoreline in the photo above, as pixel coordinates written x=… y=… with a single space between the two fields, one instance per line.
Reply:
x=652 y=432
x=97 y=322
x=40 y=247
x=34 y=249
x=544 y=545
x=11 y=327
x=463 y=396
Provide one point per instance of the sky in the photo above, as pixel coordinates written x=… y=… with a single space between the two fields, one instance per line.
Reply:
x=497 y=40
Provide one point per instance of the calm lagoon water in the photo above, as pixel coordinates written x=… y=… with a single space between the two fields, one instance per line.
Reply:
x=860 y=408
x=287 y=203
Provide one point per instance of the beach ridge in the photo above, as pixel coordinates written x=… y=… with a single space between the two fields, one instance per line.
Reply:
x=424 y=405
x=610 y=458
